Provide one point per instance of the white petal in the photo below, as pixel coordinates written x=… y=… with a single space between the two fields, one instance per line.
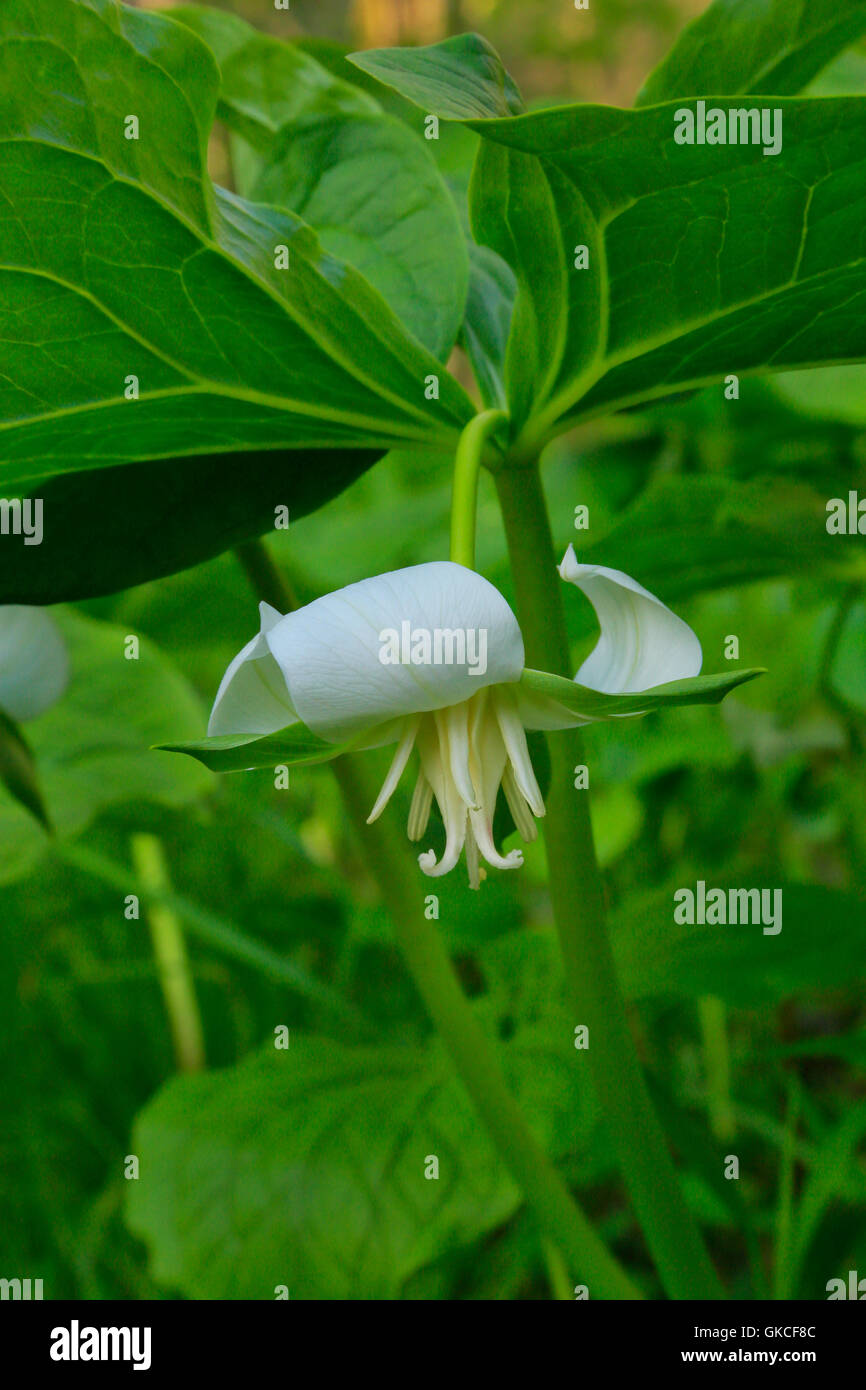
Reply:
x=330 y=651
x=34 y=663
x=642 y=642
x=253 y=698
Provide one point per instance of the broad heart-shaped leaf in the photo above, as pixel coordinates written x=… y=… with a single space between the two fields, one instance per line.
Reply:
x=595 y=704
x=703 y=260
x=770 y=46
x=127 y=274
x=368 y=186
x=111 y=528
x=305 y=1167
x=295 y=745
x=460 y=79
x=92 y=748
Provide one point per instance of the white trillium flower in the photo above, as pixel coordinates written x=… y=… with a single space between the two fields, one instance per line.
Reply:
x=34 y=665
x=376 y=663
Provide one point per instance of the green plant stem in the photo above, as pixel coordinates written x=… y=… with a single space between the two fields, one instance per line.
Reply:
x=266 y=581
x=464 y=499
x=578 y=902
x=712 y=1018
x=172 y=961
x=396 y=875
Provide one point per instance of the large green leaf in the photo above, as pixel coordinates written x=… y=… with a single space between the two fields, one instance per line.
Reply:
x=121 y=259
x=703 y=260
x=770 y=46
x=700 y=260
x=110 y=528
x=366 y=183
x=92 y=749
x=461 y=79
x=306 y=1167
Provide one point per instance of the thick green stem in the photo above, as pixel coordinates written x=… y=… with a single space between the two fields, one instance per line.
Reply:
x=578 y=902
x=464 y=499
x=472 y=1052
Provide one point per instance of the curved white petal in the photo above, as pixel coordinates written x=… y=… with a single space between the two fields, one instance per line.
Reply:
x=451 y=634
x=253 y=698
x=34 y=663
x=642 y=642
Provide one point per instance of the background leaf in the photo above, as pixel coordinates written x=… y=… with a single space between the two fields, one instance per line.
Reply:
x=720 y=304
x=770 y=46
x=459 y=79
x=309 y=1163
x=819 y=947
x=112 y=528
x=92 y=749
x=18 y=771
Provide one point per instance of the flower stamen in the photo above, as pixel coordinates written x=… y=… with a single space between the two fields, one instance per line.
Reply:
x=395 y=771
x=419 y=810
